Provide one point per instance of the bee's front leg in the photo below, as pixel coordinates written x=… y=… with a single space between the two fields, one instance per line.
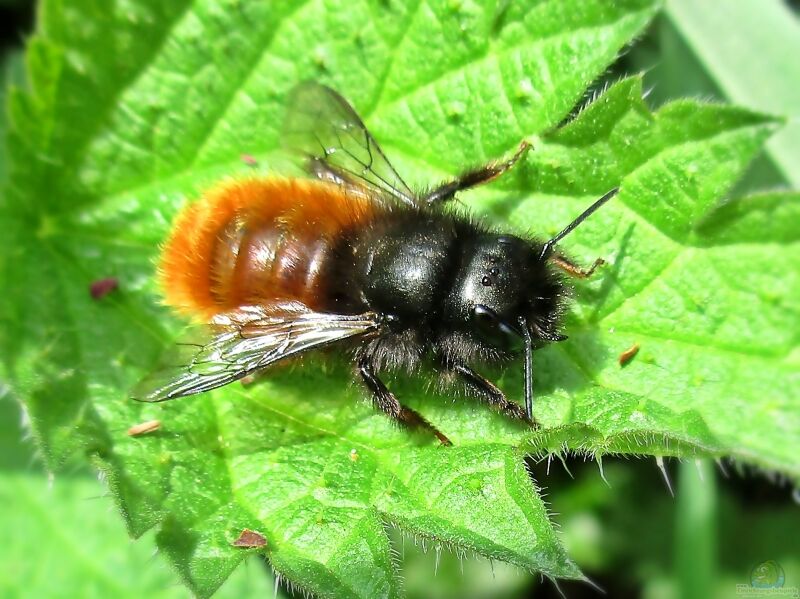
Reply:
x=489 y=392
x=573 y=269
x=473 y=178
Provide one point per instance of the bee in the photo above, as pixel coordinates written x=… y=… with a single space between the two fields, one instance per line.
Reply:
x=351 y=256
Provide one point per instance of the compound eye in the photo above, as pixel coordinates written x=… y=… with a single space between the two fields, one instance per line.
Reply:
x=493 y=330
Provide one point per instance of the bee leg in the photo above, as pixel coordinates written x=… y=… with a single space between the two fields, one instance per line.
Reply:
x=573 y=269
x=389 y=405
x=478 y=176
x=490 y=393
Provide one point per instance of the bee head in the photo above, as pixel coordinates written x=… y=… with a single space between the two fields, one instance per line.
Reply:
x=506 y=290
x=503 y=286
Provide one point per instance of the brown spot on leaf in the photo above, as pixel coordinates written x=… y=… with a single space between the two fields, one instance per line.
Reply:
x=249 y=539
x=249 y=159
x=103 y=287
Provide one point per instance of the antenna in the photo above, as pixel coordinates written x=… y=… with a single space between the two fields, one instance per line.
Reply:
x=584 y=215
x=528 y=372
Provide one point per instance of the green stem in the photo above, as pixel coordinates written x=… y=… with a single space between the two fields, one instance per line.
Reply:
x=696 y=530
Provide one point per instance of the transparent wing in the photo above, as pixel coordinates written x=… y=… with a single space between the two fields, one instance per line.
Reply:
x=321 y=125
x=241 y=342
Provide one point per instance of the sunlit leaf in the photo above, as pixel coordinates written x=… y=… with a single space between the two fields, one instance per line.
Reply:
x=133 y=111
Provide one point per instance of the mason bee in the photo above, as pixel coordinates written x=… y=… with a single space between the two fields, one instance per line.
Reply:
x=352 y=256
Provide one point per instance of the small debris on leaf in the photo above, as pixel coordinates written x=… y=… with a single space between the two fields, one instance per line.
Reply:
x=628 y=354
x=103 y=287
x=249 y=539
x=249 y=160
x=144 y=427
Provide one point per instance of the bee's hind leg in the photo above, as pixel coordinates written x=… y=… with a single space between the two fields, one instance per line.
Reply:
x=389 y=405
x=475 y=177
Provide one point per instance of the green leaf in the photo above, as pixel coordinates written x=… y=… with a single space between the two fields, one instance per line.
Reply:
x=742 y=47
x=63 y=536
x=132 y=112
x=708 y=290
x=13 y=454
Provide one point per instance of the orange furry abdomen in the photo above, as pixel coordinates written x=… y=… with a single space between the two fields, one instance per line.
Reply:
x=256 y=241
